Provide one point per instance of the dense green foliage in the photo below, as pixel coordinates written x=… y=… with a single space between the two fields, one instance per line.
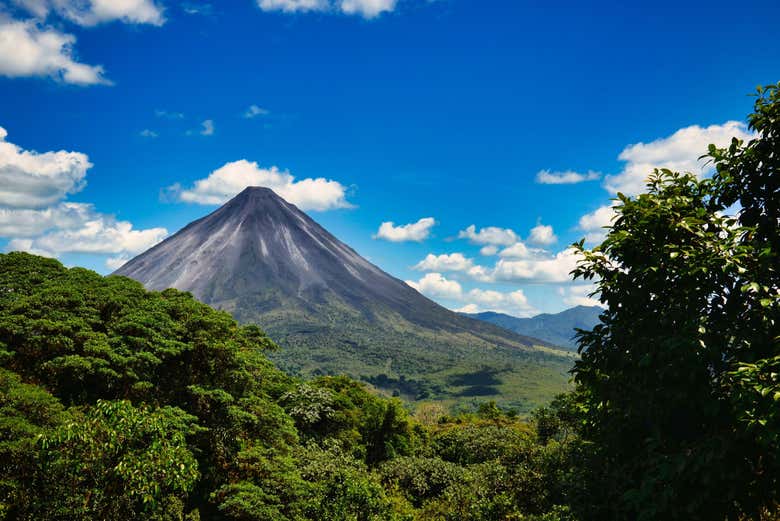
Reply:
x=118 y=403
x=679 y=385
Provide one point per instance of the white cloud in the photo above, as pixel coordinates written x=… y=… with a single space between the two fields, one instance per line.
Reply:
x=27 y=222
x=579 y=296
x=293 y=6
x=29 y=179
x=35 y=218
x=437 y=286
x=364 y=8
x=148 y=133
x=546 y=177
x=678 y=152
x=207 y=128
x=253 y=111
x=480 y=274
x=533 y=267
x=517 y=251
x=513 y=303
x=537 y=270
x=416 y=232
x=114 y=263
x=488 y=250
x=232 y=178
x=468 y=308
x=94 y=12
x=27 y=49
x=98 y=233
x=367 y=8
x=542 y=235
x=593 y=223
x=490 y=235
x=444 y=262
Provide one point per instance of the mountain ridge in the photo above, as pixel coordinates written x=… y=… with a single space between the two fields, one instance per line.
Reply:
x=555 y=328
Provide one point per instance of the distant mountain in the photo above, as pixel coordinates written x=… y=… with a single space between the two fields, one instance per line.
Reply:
x=266 y=262
x=557 y=329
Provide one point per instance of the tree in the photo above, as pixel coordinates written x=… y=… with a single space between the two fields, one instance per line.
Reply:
x=26 y=412
x=676 y=381
x=116 y=461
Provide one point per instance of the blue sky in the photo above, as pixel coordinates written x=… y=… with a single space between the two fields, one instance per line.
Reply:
x=371 y=111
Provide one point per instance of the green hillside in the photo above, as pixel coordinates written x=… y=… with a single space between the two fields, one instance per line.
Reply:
x=416 y=363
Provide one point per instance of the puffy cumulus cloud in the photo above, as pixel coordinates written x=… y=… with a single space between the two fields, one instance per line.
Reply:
x=678 y=152
x=93 y=12
x=517 y=251
x=542 y=235
x=594 y=223
x=490 y=235
x=579 y=296
x=569 y=177
x=26 y=222
x=537 y=270
x=412 y=232
x=364 y=8
x=29 y=179
x=367 y=8
x=435 y=285
x=97 y=233
x=480 y=274
x=489 y=250
x=497 y=300
x=27 y=49
x=512 y=303
x=231 y=178
x=517 y=263
x=444 y=262
x=35 y=218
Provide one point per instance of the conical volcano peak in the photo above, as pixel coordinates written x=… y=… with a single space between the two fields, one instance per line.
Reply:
x=258 y=203
x=258 y=192
x=257 y=244
x=257 y=196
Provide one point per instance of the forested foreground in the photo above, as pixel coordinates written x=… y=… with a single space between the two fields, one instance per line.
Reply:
x=118 y=403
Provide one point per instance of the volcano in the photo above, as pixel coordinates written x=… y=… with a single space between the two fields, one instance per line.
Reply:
x=266 y=262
